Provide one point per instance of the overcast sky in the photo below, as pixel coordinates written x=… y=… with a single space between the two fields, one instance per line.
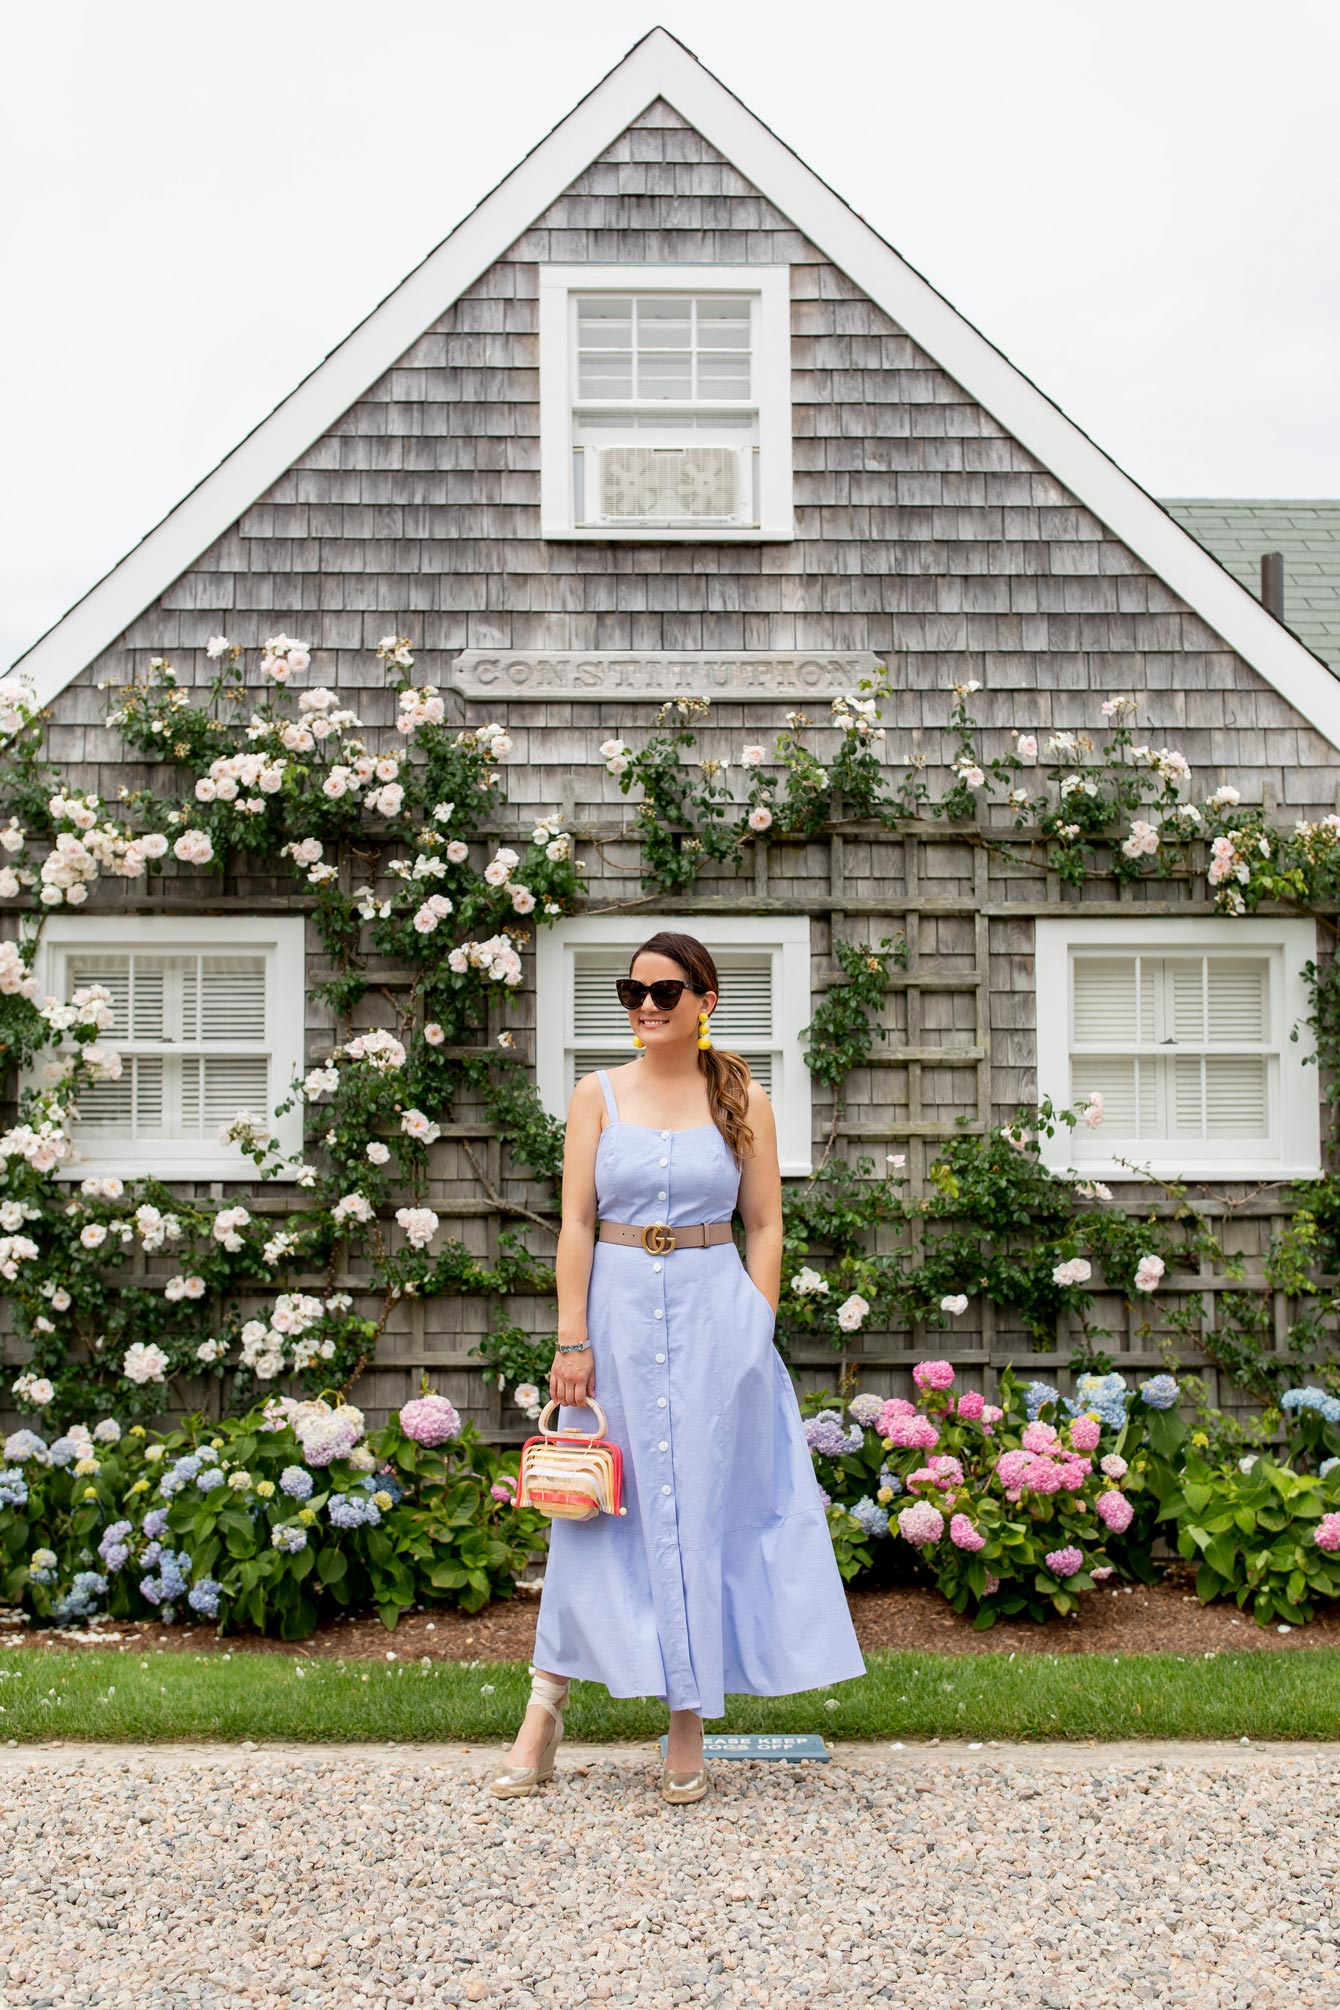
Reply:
x=1136 y=200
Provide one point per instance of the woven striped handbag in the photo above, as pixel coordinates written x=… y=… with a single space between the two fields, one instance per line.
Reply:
x=571 y=1475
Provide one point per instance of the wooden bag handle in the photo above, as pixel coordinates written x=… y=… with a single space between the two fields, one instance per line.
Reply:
x=567 y=1433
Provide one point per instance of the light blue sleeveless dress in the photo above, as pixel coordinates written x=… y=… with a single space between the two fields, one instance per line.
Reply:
x=721 y=1577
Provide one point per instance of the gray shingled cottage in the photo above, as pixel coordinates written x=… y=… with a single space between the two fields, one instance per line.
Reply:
x=664 y=416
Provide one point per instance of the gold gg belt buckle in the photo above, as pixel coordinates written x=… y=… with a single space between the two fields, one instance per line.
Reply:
x=658 y=1237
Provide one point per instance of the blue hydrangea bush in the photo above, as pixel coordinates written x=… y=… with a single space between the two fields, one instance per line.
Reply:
x=271 y=1521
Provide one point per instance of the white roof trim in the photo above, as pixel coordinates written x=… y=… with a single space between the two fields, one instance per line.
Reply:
x=661 y=67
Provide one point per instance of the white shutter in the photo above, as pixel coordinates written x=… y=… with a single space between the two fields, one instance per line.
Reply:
x=1162 y=1016
x=213 y=1004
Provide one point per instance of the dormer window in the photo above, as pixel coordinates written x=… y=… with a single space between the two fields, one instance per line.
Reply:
x=665 y=402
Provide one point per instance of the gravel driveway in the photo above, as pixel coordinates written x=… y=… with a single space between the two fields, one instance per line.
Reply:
x=377 y=1875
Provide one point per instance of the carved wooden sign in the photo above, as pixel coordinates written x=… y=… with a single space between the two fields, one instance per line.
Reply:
x=764 y=675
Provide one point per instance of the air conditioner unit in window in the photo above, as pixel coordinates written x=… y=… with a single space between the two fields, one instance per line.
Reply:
x=666 y=485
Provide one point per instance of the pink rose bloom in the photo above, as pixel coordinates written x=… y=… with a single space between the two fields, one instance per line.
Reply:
x=1148 y=1272
x=1326 y=1534
x=1064 y=1562
x=1085 y=1433
x=963 y=1535
x=1115 y=1510
x=971 y=1404
x=430 y=1420
x=933 y=1374
x=921 y=1522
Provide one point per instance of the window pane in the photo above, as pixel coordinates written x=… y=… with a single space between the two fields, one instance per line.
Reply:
x=664 y=376
x=602 y=376
x=723 y=377
x=664 y=323
x=723 y=324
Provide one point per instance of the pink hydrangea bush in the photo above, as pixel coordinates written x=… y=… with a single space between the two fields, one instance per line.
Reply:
x=1005 y=1510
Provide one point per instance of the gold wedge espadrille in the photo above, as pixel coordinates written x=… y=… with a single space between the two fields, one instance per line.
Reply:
x=512 y=1779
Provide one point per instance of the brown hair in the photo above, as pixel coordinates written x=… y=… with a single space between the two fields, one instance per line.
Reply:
x=728 y=1075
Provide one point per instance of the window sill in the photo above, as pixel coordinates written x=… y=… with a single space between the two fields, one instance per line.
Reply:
x=1216 y=1169
x=236 y=1172
x=668 y=534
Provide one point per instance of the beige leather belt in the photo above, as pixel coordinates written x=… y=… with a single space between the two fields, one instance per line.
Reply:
x=659 y=1237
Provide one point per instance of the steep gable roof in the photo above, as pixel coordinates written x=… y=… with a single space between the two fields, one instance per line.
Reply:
x=661 y=67
x=1307 y=534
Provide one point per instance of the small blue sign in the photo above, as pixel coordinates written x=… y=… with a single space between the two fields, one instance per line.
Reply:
x=759 y=1745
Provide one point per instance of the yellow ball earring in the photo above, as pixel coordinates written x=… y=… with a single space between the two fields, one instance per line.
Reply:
x=704 y=1036
x=638 y=1042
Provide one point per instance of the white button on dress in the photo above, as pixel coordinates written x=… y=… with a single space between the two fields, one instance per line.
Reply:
x=665 y=1444
x=665 y=1490
x=665 y=1162
x=660 y=1402
x=661 y=1194
x=660 y=1357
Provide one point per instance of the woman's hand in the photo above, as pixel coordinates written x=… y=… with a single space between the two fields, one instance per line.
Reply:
x=572 y=1377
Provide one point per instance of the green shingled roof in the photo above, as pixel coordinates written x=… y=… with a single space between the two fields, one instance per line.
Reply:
x=1308 y=534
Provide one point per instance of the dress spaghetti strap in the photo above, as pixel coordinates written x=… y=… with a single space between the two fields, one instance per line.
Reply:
x=610 y=1103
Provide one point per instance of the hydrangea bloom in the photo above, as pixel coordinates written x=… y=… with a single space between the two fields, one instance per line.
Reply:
x=80 y=1601
x=1326 y=1466
x=289 y=1537
x=933 y=1374
x=1161 y=1392
x=13 y=1487
x=1036 y=1394
x=113 y=1548
x=1326 y=1405
x=1115 y=1510
x=1104 y=1394
x=971 y=1404
x=430 y=1420
x=296 y=1482
x=1326 y=1534
x=964 y=1535
x=873 y=1518
x=865 y=1408
x=824 y=1433
x=1085 y=1433
x=921 y=1522
x=203 y=1596
x=351 y=1510
x=210 y=1478
x=1064 y=1562
x=21 y=1445
x=155 y=1522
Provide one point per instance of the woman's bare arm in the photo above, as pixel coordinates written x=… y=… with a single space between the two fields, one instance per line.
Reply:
x=572 y=1376
x=760 y=1201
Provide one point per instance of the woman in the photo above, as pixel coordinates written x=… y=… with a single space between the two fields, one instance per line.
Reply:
x=721 y=1577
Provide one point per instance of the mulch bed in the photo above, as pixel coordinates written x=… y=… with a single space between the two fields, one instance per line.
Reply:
x=1163 y=1618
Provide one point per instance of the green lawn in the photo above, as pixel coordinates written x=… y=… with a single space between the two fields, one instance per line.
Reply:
x=67 y=1693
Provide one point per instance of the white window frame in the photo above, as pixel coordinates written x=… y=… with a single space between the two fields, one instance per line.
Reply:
x=1288 y=945
x=281 y=940
x=787 y=936
x=771 y=285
